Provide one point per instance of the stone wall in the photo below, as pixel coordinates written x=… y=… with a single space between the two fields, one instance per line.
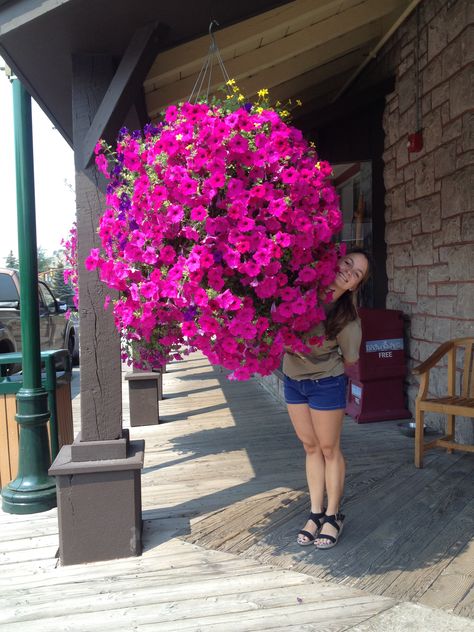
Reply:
x=429 y=209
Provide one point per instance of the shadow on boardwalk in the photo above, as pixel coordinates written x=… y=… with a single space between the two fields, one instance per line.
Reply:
x=232 y=448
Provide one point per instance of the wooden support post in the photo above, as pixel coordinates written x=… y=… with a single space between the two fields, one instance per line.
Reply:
x=101 y=401
x=126 y=83
x=98 y=476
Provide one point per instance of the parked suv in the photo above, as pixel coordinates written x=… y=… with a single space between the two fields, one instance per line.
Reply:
x=56 y=331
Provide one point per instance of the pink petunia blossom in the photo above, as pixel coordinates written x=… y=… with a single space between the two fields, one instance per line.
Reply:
x=198 y=213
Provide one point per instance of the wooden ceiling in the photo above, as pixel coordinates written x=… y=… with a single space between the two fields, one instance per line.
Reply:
x=306 y=49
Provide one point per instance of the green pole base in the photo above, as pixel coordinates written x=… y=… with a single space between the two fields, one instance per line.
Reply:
x=17 y=498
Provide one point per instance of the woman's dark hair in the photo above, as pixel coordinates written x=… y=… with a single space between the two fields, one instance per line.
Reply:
x=344 y=310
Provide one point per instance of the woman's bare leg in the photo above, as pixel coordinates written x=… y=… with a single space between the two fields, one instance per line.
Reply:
x=302 y=421
x=327 y=426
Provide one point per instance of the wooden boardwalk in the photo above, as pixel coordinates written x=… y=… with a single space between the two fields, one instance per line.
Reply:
x=224 y=495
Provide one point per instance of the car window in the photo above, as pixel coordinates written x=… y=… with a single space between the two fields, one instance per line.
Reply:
x=46 y=298
x=8 y=291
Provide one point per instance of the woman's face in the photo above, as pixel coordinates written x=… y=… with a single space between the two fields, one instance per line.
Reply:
x=351 y=271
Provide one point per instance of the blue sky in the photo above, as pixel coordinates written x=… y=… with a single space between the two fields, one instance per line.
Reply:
x=54 y=177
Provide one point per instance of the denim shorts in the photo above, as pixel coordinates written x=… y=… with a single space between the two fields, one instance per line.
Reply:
x=328 y=393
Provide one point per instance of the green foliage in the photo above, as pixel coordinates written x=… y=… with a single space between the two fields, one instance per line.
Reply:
x=45 y=261
x=11 y=261
x=61 y=290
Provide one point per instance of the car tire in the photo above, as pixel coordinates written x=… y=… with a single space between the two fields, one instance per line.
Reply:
x=73 y=351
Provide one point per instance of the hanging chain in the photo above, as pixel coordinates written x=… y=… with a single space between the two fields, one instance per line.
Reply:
x=205 y=74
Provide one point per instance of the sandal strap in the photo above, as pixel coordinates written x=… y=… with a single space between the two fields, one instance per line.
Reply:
x=333 y=520
x=331 y=538
x=307 y=534
x=318 y=518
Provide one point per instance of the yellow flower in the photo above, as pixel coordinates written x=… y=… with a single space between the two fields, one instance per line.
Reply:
x=259 y=110
x=284 y=113
x=277 y=104
x=228 y=96
x=231 y=82
x=235 y=88
x=298 y=102
x=240 y=97
x=318 y=165
x=262 y=93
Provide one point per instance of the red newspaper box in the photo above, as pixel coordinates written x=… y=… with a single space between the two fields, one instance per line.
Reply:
x=376 y=381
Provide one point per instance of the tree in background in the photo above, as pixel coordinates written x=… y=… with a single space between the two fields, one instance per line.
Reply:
x=46 y=262
x=11 y=261
x=62 y=290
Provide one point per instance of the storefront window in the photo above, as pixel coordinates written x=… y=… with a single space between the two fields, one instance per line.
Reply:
x=353 y=183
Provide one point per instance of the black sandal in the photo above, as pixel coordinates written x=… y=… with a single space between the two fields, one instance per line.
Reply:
x=318 y=519
x=337 y=521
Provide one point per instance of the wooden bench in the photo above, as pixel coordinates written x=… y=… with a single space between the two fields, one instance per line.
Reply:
x=450 y=404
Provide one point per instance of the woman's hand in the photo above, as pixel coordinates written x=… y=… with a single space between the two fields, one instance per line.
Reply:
x=296 y=353
x=349 y=365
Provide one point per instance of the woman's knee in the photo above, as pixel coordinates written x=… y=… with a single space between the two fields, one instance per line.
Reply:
x=311 y=447
x=331 y=452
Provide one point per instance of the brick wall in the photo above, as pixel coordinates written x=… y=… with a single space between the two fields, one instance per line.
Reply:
x=429 y=209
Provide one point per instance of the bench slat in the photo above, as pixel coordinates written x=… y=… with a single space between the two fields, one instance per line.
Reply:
x=451 y=405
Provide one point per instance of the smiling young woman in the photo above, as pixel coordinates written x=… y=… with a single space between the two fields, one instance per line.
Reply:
x=315 y=394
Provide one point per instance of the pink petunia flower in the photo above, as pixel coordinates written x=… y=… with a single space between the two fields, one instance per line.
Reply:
x=198 y=213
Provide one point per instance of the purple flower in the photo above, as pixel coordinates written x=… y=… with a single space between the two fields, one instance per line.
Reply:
x=125 y=203
x=190 y=313
x=150 y=129
x=248 y=107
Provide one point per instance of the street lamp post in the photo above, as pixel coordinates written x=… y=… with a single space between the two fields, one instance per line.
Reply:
x=33 y=490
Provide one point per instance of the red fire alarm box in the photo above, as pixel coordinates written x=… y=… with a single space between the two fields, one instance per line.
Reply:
x=415 y=142
x=376 y=381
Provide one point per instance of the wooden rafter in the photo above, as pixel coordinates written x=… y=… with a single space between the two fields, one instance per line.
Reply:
x=124 y=88
x=186 y=59
x=283 y=59
x=305 y=86
x=250 y=79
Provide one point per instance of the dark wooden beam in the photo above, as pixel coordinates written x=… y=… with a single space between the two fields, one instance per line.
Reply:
x=101 y=388
x=124 y=88
x=344 y=107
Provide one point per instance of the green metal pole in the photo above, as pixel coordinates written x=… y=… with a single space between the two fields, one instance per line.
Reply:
x=32 y=490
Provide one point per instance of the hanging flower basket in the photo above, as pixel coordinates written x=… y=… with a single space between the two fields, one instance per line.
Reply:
x=218 y=236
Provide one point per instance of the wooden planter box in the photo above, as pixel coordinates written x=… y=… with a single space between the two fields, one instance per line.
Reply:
x=145 y=389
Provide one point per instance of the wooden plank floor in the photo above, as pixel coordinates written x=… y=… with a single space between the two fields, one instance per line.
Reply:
x=409 y=532
x=223 y=496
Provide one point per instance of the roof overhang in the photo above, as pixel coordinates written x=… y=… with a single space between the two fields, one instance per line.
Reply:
x=38 y=37
x=309 y=50
x=302 y=49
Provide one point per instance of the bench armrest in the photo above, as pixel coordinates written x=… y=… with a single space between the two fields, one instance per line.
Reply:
x=434 y=358
x=439 y=353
